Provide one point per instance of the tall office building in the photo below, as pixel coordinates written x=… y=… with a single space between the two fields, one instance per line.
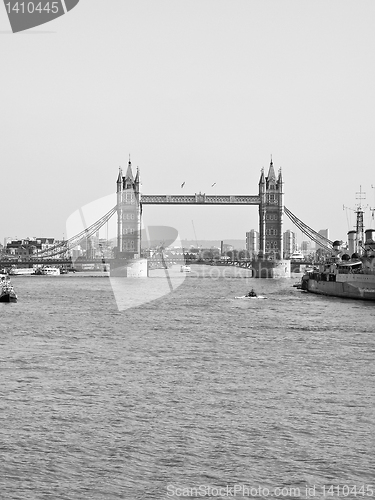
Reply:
x=252 y=242
x=325 y=234
x=306 y=247
x=289 y=243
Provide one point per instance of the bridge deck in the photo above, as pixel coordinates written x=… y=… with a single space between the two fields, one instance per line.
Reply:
x=200 y=199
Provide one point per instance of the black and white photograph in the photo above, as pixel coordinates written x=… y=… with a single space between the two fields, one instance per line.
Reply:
x=187 y=249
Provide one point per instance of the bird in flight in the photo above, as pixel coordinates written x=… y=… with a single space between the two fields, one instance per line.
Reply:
x=183 y=184
x=213 y=184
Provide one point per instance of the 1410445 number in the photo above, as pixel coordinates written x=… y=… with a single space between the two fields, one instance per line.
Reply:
x=33 y=7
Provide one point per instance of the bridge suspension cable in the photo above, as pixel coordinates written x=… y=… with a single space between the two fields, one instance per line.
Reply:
x=309 y=232
x=72 y=242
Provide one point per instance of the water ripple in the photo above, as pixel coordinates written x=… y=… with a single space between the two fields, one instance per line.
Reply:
x=195 y=388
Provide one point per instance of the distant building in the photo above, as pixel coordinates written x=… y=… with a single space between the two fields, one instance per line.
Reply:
x=76 y=252
x=252 y=242
x=91 y=248
x=306 y=247
x=105 y=249
x=8 y=239
x=227 y=248
x=20 y=248
x=325 y=234
x=289 y=243
x=45 y=243
x=27 y=247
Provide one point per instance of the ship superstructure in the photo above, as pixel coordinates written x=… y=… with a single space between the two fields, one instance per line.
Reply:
x=350 y=270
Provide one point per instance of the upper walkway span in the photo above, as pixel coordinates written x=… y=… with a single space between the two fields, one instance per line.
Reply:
x=199 y=199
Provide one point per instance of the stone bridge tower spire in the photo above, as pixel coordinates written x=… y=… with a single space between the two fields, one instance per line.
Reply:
x=271 y=208
x=128 y=214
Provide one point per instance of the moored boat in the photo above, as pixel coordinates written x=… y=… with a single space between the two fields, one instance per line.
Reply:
x=346 y=273
x=49 y=270
x=20 y=271
x=297 y=255
x=7 y=293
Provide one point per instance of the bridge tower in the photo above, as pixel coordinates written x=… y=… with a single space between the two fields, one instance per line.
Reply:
x=128 y=214
x=271 y=208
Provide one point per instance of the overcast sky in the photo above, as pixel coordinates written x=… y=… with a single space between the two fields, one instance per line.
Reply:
x=196 y=91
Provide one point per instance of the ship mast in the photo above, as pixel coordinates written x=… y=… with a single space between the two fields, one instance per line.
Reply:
x=359 y=224
x=372 y=210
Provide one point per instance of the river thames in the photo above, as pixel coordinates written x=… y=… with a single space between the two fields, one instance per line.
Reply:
x=193 y=394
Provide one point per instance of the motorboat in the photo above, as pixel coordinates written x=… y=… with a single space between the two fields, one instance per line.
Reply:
x=7 y=293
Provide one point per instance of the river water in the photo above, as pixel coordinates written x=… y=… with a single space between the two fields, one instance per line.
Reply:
x=195 y=394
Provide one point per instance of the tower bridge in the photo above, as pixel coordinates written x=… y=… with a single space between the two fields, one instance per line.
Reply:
x=130 y=204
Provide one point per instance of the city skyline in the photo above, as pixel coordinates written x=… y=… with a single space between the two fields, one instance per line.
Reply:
x=200 y=95
x=96 y=241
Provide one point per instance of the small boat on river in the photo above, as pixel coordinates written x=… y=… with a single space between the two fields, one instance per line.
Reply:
x=255 y=297
x=251 y=295
x=7 y=293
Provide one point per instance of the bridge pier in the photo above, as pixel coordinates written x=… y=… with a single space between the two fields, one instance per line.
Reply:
x=135 y=268
x=263 y=268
